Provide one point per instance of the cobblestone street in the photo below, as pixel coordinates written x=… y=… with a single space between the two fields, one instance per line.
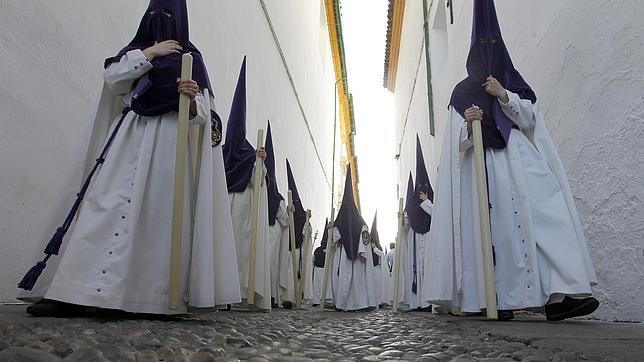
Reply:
x=306 y=335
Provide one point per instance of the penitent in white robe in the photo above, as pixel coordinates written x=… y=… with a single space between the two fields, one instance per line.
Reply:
x=279 y=254
x=117 y=254
x=414 y=300
x=286 y=268
x=381 y=276
x=541 y=252
x=240 y=205
x=353 y=282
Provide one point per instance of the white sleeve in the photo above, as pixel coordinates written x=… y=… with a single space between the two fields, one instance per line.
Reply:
x=336 y=236
x=203 y=111
x=121 y=76
x=252 y=177
x=406 y=222
x=363 y=250
x=464 y=141
x=520 y=111
x=427 y=206
x=282 y=214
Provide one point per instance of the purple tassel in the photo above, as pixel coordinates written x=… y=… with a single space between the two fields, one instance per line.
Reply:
x=56 y=241
x=28 y=282
x=53 y=246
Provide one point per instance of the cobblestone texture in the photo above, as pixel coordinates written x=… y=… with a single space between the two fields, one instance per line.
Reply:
x=310 y=335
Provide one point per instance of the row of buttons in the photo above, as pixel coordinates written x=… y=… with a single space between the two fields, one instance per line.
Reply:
x=123 y=217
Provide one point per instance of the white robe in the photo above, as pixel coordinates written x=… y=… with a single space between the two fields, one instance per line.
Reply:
x=318 y=280
x=240 y=204
x=410 y=299
x=353 y=282
x=537 y=238
x=381 y=276
x=279 y=254
x=117 y=254
x=402 y=249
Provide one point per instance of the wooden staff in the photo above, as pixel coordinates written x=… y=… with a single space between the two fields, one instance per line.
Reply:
x=179 y=188
x=399 y=250
x=291 y=230
x=484 y=214
x=327 y=260
x=306 y=251
x=254 y=220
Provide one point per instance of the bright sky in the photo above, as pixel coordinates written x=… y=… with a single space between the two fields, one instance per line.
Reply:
x=364 y=25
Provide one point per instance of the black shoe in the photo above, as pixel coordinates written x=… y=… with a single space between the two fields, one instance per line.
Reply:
x=505 y=315
x=426 y=309
x=56 y=309
x=570 y=308
x=287 y=305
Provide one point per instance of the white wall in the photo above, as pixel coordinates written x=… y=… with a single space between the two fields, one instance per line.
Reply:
x=51 y=73
x=584 y=60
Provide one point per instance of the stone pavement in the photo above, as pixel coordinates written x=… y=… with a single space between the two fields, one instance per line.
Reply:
x=307 y=335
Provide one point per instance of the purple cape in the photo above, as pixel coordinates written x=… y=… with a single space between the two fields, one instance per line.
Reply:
x=489 y=56
x=300 y=214
x=274 y=196
x=239 y=154
x=375 y=238
x=155 y=93
x=319 y=254
x=349 y=222
x=419 y=220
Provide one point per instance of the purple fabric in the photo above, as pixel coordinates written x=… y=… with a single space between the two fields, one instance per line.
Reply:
x=349 y=222
x=411 y=194
x=419 y=220
x=375 y=238
x=55 y=243
x=274 y=196
x=319 y=254
x=239 y=154
x=155 y=93
x=410 y=188
x=299 y=215
x=489 y=56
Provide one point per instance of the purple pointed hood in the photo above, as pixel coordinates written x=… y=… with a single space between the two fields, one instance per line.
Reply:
x=155 y=93
x=489 y=56
x=419 y=220
x=410 y=190
x=274 y=196
x=349 y=222
x=300 y=213
x=239 y=154
x=375 y=238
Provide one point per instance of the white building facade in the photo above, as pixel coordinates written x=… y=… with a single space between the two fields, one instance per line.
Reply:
x=51 y=76
x=584 y=61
